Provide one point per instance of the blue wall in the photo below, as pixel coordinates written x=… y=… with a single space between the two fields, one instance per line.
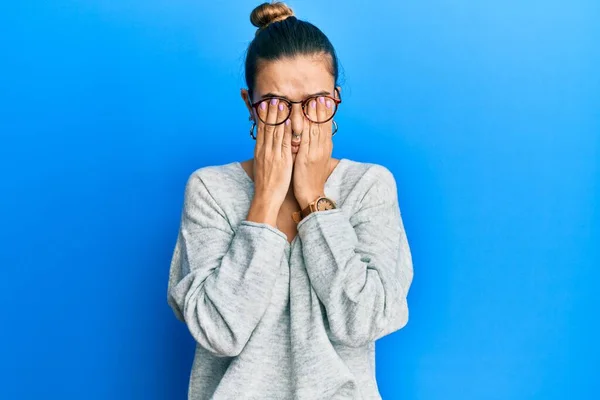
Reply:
x=487 y=112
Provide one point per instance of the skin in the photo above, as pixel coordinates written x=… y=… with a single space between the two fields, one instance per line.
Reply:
x=288 y=174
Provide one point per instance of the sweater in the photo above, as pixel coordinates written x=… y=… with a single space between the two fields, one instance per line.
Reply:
x=292 y=321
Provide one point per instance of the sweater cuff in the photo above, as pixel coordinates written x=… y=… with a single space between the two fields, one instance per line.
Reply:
x=328 y=225
x=266 y=227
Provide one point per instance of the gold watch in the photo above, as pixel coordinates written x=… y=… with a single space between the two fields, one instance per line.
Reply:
x=322 y=203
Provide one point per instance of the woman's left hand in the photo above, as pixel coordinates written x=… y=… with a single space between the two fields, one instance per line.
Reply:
x=311 y=167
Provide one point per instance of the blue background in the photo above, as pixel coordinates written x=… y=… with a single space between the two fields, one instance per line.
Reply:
x=487 y=112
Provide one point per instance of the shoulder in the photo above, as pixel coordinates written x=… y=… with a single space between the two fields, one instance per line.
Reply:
x=217 y=183
x=220 y=174
x=369 y=193
x=365 y=176
x=219 y=177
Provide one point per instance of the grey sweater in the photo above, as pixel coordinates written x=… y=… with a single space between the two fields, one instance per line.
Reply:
x=279 y=320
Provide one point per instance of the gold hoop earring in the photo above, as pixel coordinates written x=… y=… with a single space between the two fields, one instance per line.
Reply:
x=336 y=127
x=252 y=130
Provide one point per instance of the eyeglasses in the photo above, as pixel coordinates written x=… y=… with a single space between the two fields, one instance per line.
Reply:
x=305 y=104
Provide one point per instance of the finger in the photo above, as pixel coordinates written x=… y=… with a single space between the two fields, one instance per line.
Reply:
x=304 y=144
x=321 y=109
x=279 y=129
x=313 y=130
x=260 y=126
x=271 y=119
x=329 y=107
x=312 y=110
x=322 y=116
x=286 y=144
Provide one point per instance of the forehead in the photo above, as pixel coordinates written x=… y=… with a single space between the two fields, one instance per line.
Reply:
x=294 y=77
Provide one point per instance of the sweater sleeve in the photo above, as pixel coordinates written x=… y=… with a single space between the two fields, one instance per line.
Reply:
x=360 y=266
x=225 y=276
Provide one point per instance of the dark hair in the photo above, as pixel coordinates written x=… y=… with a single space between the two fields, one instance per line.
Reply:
x=280 y=34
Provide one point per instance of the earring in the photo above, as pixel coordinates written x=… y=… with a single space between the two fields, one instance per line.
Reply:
x=336 y=127
x=252 y=130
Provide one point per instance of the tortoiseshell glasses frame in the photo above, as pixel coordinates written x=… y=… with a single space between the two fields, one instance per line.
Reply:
x=305 y=104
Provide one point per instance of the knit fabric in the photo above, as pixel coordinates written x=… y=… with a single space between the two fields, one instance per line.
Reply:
x=290 y=321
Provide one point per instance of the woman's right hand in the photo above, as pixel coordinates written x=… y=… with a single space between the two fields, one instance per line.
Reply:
x=273 y=162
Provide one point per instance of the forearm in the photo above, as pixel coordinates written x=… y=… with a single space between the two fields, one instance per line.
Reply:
x=362 y=281
x=224 y=298
x=263 y=210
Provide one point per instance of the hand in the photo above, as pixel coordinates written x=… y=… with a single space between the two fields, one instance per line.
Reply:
x=273 y=163
x=311 y=167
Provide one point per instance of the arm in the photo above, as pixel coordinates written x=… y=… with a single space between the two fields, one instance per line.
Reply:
x=226 y=277
x=360 y=267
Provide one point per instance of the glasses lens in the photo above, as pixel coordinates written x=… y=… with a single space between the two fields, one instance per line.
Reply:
x=280 y=115
x=321 y=118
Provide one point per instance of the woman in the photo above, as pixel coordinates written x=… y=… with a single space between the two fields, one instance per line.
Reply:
x=289 y=266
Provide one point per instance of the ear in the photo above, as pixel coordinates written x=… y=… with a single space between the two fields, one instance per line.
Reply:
x=338 y=93
x=247 y=101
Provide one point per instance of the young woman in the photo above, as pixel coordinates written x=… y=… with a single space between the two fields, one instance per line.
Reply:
x=289 y=266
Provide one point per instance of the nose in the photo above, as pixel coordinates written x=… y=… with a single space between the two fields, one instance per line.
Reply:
x=298 y=121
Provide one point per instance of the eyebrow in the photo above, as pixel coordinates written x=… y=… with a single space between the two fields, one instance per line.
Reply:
x=271 y=94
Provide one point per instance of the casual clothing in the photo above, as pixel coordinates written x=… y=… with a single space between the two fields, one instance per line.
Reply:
x=280 y=320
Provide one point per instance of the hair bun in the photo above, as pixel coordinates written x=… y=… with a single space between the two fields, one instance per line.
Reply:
x=267 y=13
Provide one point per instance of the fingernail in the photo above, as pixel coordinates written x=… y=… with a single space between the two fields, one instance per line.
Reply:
x=313 y=104
x=321 y=99
x=280 y=107
x=263 y=105
x=287 y=121
x=273 y=101
x=328 y=103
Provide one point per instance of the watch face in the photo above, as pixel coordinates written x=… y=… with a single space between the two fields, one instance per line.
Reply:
x=325 y=204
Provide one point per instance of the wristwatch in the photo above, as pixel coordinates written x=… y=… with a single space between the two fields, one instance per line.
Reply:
x=322 y=203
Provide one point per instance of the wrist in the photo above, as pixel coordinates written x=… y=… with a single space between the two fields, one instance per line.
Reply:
x=305 y=200
x=263 y=211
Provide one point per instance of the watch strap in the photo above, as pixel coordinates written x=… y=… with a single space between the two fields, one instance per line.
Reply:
x=297 y=216
x=309 y=208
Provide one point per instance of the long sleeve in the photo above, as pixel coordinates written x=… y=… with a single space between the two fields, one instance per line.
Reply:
x=221 y=278
x=360 y=266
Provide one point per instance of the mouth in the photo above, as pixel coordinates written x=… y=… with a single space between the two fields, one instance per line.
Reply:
x=295 y=146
